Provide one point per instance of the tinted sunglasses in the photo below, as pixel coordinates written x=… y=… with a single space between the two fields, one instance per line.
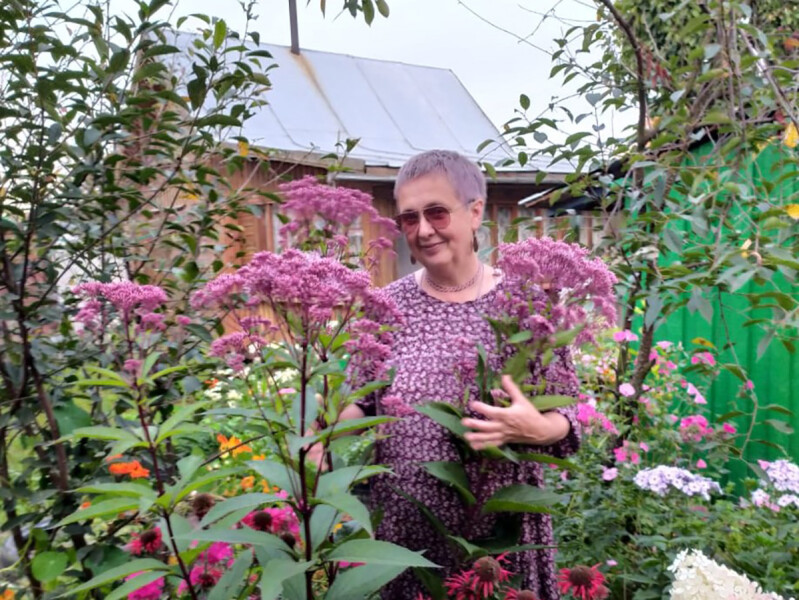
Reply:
x=438 y=216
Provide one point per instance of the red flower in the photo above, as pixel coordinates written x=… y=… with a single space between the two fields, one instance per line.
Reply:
x=147 y=542
x=583 y=582
x=478 y=582
x=520 y=595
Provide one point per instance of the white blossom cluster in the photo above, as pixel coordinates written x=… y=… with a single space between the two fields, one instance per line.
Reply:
x=696 y=577
x=659 y=479
x=783 y=476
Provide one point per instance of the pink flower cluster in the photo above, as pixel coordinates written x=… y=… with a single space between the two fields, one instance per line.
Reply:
x=338 y=208
x=131 y=300
x=305 y=291
x=630 y=452
x=209 y=567
x=695 y=428
x=280 y=521
x=150 y=591
x=703 y=358
x=592 y=420
x=551 y=285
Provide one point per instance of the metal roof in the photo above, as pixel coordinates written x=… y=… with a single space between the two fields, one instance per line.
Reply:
x=397 y=110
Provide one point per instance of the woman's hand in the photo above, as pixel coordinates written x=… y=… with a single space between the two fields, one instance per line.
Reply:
x=520 y=423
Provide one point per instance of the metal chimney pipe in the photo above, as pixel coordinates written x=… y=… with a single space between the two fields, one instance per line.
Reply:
x=295 y=36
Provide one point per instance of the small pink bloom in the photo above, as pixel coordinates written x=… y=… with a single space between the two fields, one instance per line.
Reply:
x=699 y=399
x=764 y=464
x=691 y=390
x=564 y=475
x=674 y=418
x=701 y=464
x=132 y=366
x=729 y=428
x=609 y=474
x=705 y=358
x=620 y=454
x=644 y=446
x=749 y=385
x=654 y=356
x=625 y=336
x=286 y=391
x=635 y=458
x=670 y=366
x=627 y=390
x=611 y=563
x=183 y=320
x=664 y=345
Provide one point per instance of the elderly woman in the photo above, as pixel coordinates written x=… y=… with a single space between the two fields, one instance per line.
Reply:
x=440 y=199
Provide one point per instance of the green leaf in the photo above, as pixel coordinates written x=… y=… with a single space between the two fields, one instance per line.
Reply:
x=181 y=414
x=275 y=572
x=549 y=402
x=350 y=505
x=132 y=490
x=382 y=8
x=46 y=566
x=235 y=536
x=524 y=101
x=349 y=426
x=519 y=337
x=101 y=432
x=523 y=498
x=547 y=459
x=131 y=566
x=113 y=506
x=368 y=11
x=340 y=480
x=275 y=473
x=220 y=31
x=134 y=584
x=237 y=503
x=359 y=583
x=778 y=409
x=232 y=579
x=443 y=417
x=452 y=473
x=376 y=552
x=780 y=426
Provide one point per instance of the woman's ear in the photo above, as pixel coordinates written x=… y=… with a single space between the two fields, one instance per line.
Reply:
x=476 y=209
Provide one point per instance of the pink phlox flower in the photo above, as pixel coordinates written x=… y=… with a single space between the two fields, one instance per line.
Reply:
x=183 y=320
x=669 y=366
x=654 y=356
x=691 y=390
x=664 y=345
x=749 y=385
x=699 y=399
x=150 y=591
x=590 y=418
x=729 y=428
x=286 y=391
x=694 y=428
x=609 y=473
x=701 y=464
x=625 y=336
x=644 y=446
x=705 y=358
x=626 y=390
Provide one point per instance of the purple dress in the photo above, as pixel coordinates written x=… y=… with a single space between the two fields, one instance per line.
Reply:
x=424 y=360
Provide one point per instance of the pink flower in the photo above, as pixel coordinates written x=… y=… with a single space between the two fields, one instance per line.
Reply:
x=625 y=336
x=704 y=358
x=183 y=320
x=664 y=345
x=586 y=583
x=620 y=453
x=694 y=428
x=395 y=406
x=609 y=474
x=217 y=552
x=644 y=446
x=480 y=581
x=701 y=464
x=287 y=391
x=150 y=591
x=699 y=399
x=627 y=390
x=132 y=366
x=611 y=563
x=691 y=390
x=729 y=428
x=669 y=366
x=749 y=385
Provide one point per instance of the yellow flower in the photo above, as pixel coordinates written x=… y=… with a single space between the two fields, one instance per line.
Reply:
x=791 y=136
x=265 y=486
x=259 y=456
x=744 y=248
x=244 y=148
x=172 y=560
x=248 y=482
x=337 y=526
x=793 y=211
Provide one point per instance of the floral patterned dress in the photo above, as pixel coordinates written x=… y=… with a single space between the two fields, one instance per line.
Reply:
x=425 y=357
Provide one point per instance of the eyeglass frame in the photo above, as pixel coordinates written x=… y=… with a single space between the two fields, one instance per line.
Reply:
x=420 y=213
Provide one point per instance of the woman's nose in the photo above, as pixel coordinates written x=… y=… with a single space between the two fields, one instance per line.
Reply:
x=425 y=229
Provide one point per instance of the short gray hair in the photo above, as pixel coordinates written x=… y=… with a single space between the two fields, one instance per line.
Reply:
x=464 y=176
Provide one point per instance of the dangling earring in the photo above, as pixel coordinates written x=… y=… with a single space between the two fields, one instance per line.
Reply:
x=475 y=245
x=413 y=260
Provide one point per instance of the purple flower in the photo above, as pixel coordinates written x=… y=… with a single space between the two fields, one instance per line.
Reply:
x=626 y=390
x=395 y=406
x=659 y=479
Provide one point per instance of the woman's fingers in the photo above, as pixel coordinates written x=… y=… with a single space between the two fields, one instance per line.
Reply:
x=481 y=425
x=483 y=440
x=492 y=412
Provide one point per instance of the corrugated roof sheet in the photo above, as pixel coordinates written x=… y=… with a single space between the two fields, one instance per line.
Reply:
x=397 y=110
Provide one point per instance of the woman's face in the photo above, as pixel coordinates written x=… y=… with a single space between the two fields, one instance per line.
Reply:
x=442 y=246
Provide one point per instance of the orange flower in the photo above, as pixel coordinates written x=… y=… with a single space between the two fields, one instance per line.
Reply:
x=132 y=468
x=113 y=458
x=248 y=482
x=211 y=383
x=7 y=595
x=259 y=456
x=86 y=504
x=233 y=444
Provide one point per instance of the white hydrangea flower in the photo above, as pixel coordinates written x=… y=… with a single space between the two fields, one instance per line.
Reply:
x=696 y=577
